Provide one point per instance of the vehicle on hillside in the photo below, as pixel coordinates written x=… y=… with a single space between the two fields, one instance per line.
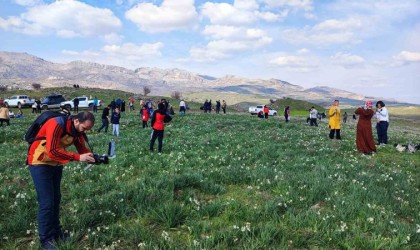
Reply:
x=84 y=102
x=255 y=110
x=19 y=101
x=52 y=101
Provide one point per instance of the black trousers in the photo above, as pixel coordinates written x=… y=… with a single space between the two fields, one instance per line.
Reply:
x=105 y=124
x=336 y=132
x=382 y=129
x=145 y=124
x=157 y=134
x=76 y=109
x=313 y=122
x=4 y=120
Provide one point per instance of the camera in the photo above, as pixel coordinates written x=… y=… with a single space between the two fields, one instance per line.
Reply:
x=101 y=159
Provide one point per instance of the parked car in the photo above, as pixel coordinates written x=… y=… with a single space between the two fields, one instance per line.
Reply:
x=258 y=108
x=52 y=101
x=84 y=102
x=19 y=100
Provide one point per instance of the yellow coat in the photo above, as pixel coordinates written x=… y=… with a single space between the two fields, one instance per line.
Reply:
x=335 y=117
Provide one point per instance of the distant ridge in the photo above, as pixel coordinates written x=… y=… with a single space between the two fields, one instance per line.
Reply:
x=20 y=70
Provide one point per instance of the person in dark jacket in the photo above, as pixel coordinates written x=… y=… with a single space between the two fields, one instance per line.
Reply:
x=159 y=117
x=105 y=119
x=76 y=105
x=115 y=120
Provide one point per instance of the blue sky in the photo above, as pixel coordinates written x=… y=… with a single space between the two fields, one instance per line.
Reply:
x=371 y=47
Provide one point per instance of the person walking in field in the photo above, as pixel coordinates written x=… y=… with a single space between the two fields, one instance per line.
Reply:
x=334 y=123
x=115 y=120
x=382 y=118
x=46 y=157
x=182 y=107
x=105 y=119
x=287 y=113
x=266 y=110
x=159 y=118
x=224 y=105
x=364 y=137
x=218 y=105
x=76 y=105
x=345 y=117
x=95 y=105
x=145 y=116
x=313 y=114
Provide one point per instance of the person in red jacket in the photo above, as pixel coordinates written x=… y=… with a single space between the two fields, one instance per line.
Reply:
x=159 y=117
x=145 y=116
x=46 y=157
x=266 y=110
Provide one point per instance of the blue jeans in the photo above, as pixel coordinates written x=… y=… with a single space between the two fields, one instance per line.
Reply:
x=47 y=181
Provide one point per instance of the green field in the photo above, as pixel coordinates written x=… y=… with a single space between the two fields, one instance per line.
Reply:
x=224 y=182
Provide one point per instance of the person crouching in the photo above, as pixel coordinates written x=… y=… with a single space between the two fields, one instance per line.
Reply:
x=159 y=117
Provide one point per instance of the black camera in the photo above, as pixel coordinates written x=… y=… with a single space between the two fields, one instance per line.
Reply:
x=101 y=159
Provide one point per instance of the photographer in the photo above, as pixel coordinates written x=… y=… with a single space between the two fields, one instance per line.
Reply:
x=46 y=157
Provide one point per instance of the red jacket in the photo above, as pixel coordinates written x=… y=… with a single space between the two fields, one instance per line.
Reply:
x=52 y=150
x=145 y=115
x=158 y=122
x=266 y=110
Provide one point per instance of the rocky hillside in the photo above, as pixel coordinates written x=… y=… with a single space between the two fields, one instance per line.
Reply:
x=20 y=70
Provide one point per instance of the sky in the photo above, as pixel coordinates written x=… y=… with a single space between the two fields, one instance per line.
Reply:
x=370 y=47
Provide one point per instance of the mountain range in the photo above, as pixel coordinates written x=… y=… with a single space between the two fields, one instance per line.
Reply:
x=21 y=70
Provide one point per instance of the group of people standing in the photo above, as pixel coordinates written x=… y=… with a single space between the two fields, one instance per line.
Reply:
x=208 y=107
x=364 y=137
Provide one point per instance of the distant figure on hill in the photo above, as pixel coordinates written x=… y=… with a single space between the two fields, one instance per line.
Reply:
x=287 y=113
x=224 y=105
x=260 y=114
x=105 y=119
x=364 y=137
x=334 y=123
x=118 y=103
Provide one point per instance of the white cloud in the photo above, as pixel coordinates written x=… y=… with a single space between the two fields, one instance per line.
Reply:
x=347 y=60
x=229 y=40
x=241 y=12
x=65 y=19
x=128 y=55
x=327 y=32
x=28 y=2
x=227 y=14
x=405 y=57
x=171 y=15
x=132 y=50
x=294 y=63
x=305 y=5
x=303 y=51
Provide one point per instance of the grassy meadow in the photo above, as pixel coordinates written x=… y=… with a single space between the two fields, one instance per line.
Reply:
x=223 y=182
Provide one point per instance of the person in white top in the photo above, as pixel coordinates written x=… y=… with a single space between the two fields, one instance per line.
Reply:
x=382 y=122
x=182 y=107
x=313 y=114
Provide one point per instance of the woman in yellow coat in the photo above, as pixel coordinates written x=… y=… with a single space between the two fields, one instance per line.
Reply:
x=335 y=115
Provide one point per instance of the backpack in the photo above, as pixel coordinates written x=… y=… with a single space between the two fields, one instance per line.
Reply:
x=30 y=135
